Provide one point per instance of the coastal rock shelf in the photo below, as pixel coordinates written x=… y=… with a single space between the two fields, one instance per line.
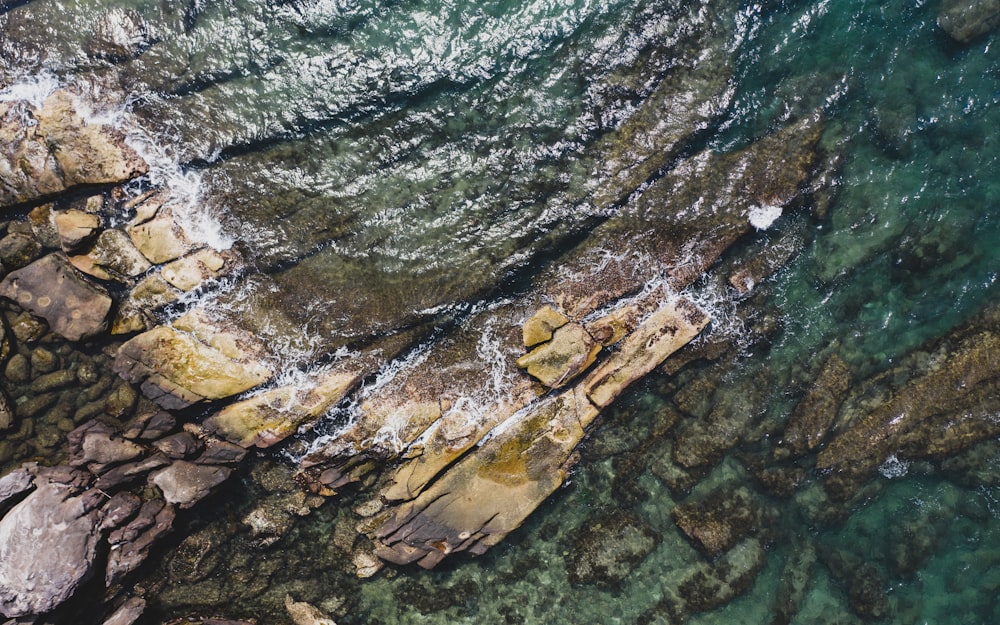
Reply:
x=490 y=312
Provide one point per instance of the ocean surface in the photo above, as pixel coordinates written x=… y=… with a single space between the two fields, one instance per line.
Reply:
x=437 y=153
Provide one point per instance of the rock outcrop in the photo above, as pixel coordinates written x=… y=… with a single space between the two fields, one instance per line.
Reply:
x=51 y=149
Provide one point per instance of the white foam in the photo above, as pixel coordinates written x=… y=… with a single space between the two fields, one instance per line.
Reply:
x=893 y=467
x=32 y=89
x=763 y=217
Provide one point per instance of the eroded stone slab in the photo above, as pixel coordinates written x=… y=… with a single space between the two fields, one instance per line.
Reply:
x=50 y=288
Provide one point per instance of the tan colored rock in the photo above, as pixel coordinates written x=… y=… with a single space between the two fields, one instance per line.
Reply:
x=177 y=367
x=568 y=354
x=49 y=288
x=303 y=613
x=160 y=239
x=540 y=326
x=113 y=257
x=51 y=149
x=75 y=227
x=135 y=313
x=664 y=332
x=272 y=415
x=194 y=269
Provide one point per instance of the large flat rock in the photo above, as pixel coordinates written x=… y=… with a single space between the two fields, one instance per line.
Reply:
x=50 y=288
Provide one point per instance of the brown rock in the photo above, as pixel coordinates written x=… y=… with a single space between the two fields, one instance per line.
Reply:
x=160 y=239
x=540 y=326
x=113 y=257
x=717 y=522
x=272 y=415
x=50 y=149
x=965 y=20
x=48 y=543
x=76 y=228
x=811 y=420
x=130 y=545
x=18 y=250
x=51 y=289
x=185 y=483
x=193 y=270
x=128 y=613
x=178 y=446
x=609 y=547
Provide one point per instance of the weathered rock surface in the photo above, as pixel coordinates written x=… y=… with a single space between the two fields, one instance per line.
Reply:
x=128 y=613
x=272 y=415
x=185 y=483
x=966 y=20
x=112 y=257
x=51 y=149
x=41 y=569
x=50 y=288
x=189 y=362
x=75 y=228
x=303 y=613
x=569 y=352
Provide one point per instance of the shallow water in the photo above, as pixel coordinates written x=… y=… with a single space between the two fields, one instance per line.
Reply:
x=430 y=155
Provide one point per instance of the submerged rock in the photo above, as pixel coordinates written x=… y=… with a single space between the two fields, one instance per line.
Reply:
x=608 y=548
x=965 y=20
x=50 y=288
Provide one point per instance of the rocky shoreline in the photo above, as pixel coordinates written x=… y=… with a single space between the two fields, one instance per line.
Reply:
x=123 y=405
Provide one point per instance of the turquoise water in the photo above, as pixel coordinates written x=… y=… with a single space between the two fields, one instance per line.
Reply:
x=429 y=155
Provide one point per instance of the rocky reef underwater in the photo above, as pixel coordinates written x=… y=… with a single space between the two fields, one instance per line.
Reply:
x=616 y=313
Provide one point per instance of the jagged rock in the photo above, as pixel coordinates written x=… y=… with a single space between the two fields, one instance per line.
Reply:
x=811 y=420
x=113 y=257
x=303 y=613
x=119 y=509
x=178 y=446
x=14 y=484
x=608 y=548
x=193 y=270
x=76 y=228
x=135 y=314
x=176 y=367
x=50 y=149
x=48 y=543
x=130 y=544
x=945 y=410
x=569 y=352
x=18 y=250
x=130 y=471
x=221 y=452
x=128 y=613
x=50 y=288
x=540 y=326
x=664 y=332
x=119 y=34
x=965 y=20
x=185 y=483
x=272 y=415
x=150 y=425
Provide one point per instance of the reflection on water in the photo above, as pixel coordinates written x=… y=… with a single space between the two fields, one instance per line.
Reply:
x=385 y=164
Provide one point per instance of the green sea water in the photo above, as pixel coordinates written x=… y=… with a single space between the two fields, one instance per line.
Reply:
x=436 y=143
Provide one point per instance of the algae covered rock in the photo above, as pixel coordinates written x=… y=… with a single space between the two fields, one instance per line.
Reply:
x=966 y=20
x=608 y=547
x=177 y=368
